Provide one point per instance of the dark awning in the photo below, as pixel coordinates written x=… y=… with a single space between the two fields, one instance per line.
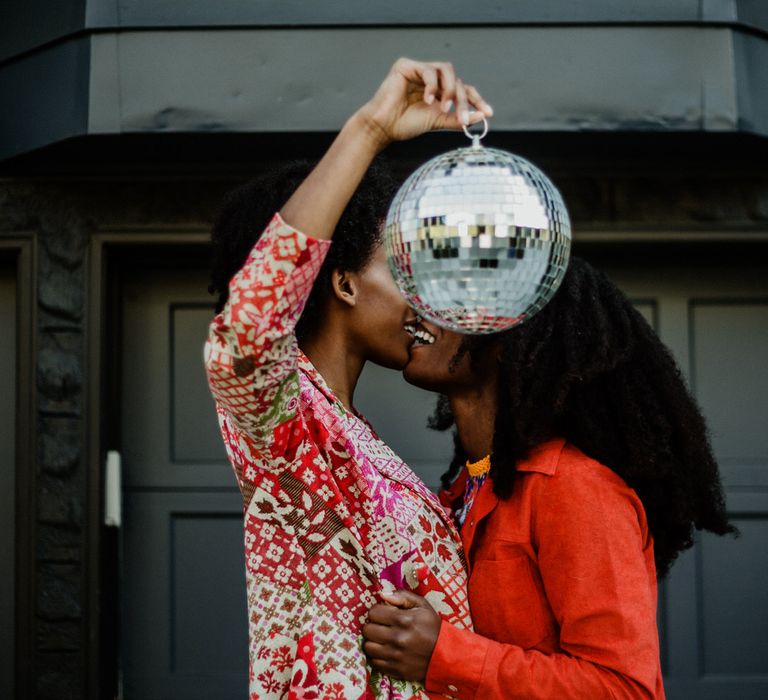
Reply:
x=137 y=66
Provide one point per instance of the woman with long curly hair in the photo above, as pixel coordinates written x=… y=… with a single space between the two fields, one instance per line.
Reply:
x=582 y=467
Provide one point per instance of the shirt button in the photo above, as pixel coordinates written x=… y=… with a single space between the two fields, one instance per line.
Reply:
x=471 y=523
x=453 y=688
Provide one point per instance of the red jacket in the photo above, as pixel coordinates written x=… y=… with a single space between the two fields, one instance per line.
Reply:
x=562 y=588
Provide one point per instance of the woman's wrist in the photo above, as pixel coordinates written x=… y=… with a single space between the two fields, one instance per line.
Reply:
x=363 y=125
x=318 y=203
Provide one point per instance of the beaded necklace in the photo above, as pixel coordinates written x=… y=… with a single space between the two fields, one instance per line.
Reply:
x=477 y=474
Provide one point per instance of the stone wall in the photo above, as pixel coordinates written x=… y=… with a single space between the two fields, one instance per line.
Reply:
x=59 y=474
x=62 y=218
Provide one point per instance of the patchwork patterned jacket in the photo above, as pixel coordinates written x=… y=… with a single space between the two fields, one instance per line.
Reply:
x=332 y=515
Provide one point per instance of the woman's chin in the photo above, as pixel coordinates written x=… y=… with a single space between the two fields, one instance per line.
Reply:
x=392 y=360
x=413 y=374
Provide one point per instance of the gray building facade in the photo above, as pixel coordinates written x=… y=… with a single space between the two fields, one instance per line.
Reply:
x=124 y=122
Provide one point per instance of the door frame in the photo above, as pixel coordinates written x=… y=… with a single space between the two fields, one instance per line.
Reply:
x=106 y=245
x=20 y=249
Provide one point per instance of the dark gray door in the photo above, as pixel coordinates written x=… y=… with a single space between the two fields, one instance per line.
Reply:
x=184 y=608
x=183 y=592
x=7 y=475
x=714 y=605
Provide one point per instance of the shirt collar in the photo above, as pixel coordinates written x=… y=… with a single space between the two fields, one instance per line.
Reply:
x=543 y=458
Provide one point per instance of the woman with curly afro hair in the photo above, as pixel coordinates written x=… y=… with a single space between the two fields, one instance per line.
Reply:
x=582 y=467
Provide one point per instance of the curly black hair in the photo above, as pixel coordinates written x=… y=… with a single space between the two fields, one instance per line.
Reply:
x=247 y=210
x=589 y=368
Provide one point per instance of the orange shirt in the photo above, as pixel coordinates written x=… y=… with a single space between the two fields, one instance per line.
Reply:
x=562 y=588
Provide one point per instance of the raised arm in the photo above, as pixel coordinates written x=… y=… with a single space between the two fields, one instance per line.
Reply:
x=251 y=353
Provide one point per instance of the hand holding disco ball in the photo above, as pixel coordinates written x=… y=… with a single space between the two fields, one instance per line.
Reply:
x=478 y=239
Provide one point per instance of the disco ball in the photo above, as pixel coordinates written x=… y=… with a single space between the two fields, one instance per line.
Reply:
x=478 y=239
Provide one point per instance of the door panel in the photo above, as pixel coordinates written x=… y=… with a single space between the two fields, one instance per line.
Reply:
x=195 y=438
x=734 y=577
x=729 y=347
x=185 y=617
x=171 y=438
x=7 y=476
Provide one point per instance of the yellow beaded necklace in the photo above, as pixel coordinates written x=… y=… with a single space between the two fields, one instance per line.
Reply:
x=480 y=467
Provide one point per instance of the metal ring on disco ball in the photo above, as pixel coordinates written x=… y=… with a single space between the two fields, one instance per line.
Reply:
x=478 y=239
x=476 y=138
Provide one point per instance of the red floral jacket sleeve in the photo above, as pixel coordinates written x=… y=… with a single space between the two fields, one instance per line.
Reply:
x=251 y=355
